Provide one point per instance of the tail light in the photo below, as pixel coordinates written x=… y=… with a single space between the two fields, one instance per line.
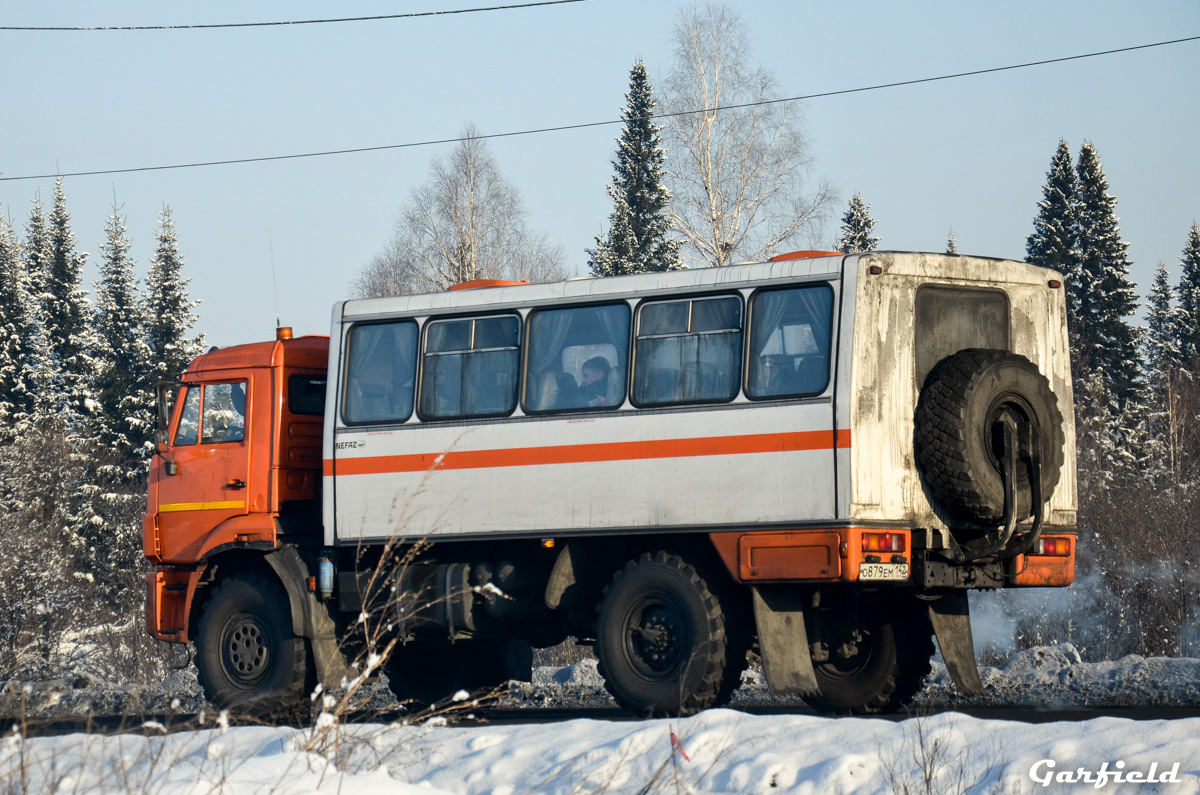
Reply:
x=883 y=542
x=1053 y=547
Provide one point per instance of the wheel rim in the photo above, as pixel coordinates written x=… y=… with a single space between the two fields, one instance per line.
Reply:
x=847 y=669
x=657 y=637
x=246 y=649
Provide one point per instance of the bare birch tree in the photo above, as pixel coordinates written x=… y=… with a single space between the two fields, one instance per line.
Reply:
x=465 y=222
x=736 y=167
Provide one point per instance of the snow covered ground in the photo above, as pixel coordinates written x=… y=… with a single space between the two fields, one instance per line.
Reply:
x=726 y=750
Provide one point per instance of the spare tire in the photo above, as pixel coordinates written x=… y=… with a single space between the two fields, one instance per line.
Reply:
x=958 y=444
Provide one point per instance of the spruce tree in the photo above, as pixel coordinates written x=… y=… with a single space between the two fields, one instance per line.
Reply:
x=1188 y=328
x=170 y=314
x=1105 y=339
x=47 y=378
x=857 y=225
x=17 y=330
x=1162 y=333
x=1161 y=355
x=637 y=239
x=1054 y=242
x=124 y=419
x=1055 y=239
x=66 y=315
x=951 y=243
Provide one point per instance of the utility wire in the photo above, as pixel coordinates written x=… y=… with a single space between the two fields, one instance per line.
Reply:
x=609 y=122
x=296 y=21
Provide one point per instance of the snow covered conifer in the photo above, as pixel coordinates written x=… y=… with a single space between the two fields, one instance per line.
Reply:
x=617 y=254
x=17 y=329
x=1188 y=327
x=1161 y=340
x=66 y=315
x=638 y=241
x=857 y=225
x=1054 y=242
x=951 y=244
x=1104 y=339
x=170 y=314
x=1055 y=239
x=125 y=417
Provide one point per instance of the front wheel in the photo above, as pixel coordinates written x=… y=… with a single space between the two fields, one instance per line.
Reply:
x=873 y=655
x=249 y=660
x=660 y=638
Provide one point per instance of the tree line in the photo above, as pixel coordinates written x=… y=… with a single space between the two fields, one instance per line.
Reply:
x=77 y=417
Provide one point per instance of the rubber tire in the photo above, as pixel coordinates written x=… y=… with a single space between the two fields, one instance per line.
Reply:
x=952 y=432
x=255 y=603
x=661 y=585
x=896 y=661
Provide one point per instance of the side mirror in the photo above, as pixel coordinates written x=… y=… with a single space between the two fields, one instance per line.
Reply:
x=166 y=394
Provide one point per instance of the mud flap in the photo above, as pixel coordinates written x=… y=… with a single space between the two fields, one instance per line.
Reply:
x=783 y=641
x=310 y=618
x=951 y=618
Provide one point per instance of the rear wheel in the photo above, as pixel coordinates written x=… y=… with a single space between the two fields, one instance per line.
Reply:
x=249 y=660
x=874 y=655
x=660 y=638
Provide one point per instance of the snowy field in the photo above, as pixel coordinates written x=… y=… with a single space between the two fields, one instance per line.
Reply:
x=727 y=751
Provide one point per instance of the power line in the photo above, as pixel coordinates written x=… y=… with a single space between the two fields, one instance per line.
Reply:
x=608 y=122
x=295 y=21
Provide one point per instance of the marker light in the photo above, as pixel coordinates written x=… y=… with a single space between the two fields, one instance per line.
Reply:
x=883 y=542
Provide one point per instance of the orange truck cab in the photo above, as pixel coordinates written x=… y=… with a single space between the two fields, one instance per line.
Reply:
x=237 y=472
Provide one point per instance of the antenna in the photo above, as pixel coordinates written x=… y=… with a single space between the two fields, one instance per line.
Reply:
x=274 y=284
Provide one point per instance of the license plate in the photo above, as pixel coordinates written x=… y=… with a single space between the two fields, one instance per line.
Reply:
x=883 y=571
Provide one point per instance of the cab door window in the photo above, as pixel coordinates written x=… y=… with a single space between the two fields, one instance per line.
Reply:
x=224 y=413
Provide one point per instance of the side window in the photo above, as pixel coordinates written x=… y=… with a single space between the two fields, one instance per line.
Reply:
x=470 y=367
x=381 y=366
x=188 y=431
x=577 y=358
x=306 y=394
x=224 y=413
x=789 y=342
x=688 y=351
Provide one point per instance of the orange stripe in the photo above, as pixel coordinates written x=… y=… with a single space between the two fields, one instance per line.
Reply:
x=591 y=453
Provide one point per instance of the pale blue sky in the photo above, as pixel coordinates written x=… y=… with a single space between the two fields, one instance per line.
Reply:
x=969 y=154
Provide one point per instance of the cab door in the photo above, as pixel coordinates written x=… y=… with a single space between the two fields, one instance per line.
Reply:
x=210 y=458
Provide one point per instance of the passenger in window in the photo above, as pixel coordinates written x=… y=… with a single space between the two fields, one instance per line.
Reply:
x=593 y=385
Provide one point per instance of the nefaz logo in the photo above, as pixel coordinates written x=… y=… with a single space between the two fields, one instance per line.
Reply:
x=355 y=445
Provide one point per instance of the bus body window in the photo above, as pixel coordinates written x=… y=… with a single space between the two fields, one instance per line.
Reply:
x=224 y=413
x=381 y=367
x=688 y=351
x=470 y=367
x=566 y=348
x=789 y=342
x=188 y=431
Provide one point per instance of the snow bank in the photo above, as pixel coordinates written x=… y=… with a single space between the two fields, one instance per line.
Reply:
x=727 y=752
